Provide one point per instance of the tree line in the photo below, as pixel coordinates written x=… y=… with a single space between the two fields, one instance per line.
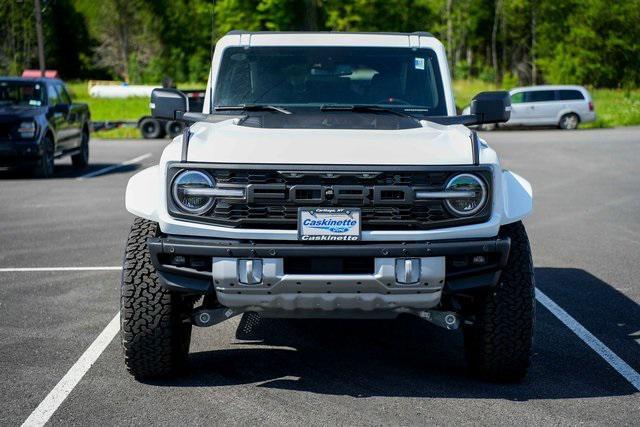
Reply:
x=509 y=42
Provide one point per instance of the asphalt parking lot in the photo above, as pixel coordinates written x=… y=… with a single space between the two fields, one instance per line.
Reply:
x=585 y=233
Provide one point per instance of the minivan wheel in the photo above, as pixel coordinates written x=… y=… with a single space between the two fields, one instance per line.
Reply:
x=569 y=121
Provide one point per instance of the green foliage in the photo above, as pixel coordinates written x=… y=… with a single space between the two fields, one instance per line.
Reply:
x=515 y=42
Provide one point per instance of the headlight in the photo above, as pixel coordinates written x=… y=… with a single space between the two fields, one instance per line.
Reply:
x=27 y=129
x=185 y=191
x=470 y=203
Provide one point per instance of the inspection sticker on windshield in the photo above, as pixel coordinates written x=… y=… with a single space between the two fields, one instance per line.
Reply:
x=419 y=63
x=329 y=224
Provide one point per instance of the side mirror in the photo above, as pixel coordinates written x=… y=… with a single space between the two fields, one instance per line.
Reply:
x=168 y=104
x=491 y=107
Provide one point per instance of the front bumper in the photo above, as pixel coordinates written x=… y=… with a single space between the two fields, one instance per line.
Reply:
x=205 y=266
x=14 y=153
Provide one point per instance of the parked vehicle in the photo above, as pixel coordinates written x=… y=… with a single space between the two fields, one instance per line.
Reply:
x=40 y=123
x=152 y=127
x=562 y=106
x=328 y=176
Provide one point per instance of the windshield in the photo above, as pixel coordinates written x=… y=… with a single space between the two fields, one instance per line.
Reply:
x=20 y=93
x=400 y=78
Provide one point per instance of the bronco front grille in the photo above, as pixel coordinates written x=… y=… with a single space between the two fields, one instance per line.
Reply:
x=273 y=195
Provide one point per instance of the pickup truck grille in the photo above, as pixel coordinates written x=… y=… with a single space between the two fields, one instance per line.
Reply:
x=385 y=197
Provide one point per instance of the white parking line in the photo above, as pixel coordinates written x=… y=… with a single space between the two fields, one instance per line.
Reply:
x=54 y=399
x=112 y=167
x=26 y=269
x=65 y=386
x=596 y=345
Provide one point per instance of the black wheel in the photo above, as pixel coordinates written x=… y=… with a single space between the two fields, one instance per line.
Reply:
x=44 y=167
x=155 y=329
x=81 y=160
x=498 y=343
x=569 y=121
x=173 y=128
x=151 y=128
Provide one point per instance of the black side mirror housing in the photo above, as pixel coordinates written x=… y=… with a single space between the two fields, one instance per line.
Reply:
x=491 y=107
x=168 y=104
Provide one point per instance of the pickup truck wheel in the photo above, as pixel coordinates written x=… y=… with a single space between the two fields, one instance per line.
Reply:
x=81 y=160
x=155 y=322
x=44 y=167
x=498 y=344
x=569 y=121
x=151 y=128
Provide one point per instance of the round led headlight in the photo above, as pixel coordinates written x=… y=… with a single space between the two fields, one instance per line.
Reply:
x=473 y=194
x=186 y=194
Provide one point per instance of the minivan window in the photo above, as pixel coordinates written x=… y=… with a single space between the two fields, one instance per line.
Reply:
x=540 y=96
x=570 y=95
x=517 y=98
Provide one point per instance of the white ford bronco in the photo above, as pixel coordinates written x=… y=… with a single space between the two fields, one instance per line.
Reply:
x=328 y=176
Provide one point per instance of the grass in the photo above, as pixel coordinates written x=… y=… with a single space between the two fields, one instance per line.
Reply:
x=116 y=109
x=614 y=107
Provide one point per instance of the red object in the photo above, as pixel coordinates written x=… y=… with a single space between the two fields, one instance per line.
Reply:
x=34 y=74
x=590 y=106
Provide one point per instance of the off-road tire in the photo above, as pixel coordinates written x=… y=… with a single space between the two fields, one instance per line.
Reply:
x=81 y=160
x=155 y=329
x=45 y=166
x=498 y=343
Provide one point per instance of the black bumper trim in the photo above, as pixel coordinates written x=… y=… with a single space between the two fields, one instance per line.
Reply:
x=182 y=279
x=229 y=248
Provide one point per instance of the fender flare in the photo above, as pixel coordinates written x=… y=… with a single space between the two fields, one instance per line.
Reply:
x=517 y=197
x=142 y=197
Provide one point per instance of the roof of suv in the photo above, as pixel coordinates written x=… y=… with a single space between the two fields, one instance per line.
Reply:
x=415 y=33
x=548 y=87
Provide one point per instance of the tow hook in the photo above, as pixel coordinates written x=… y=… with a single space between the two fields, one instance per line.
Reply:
x=445 y=319
x=210 y=317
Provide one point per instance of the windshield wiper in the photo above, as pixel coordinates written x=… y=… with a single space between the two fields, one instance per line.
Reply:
x=364 y=109
x=251 y=107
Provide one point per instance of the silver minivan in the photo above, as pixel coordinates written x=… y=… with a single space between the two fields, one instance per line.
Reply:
x=562 y=106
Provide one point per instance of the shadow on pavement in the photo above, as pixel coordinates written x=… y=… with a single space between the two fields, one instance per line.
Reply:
x=411 y=358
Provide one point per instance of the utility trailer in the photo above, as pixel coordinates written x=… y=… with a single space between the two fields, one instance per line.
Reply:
x=153 y=128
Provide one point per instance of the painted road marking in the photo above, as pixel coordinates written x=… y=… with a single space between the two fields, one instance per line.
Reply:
x=112 y=167
x=65 y=386
x=596 y=345
x=27 y=269
x=54 y=399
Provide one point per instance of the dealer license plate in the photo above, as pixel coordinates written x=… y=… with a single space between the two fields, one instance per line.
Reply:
x=329 y=224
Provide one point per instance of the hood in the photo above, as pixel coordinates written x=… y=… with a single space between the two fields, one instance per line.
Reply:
x=432 y=144
x=15 y=112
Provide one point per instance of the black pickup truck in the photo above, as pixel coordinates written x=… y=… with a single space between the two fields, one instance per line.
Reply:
x=39 y=123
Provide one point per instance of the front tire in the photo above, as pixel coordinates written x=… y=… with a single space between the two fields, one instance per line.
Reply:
x=569 y=121
x=498 y=343
x=156 y=331
x=81 y=160
x=45 y=166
